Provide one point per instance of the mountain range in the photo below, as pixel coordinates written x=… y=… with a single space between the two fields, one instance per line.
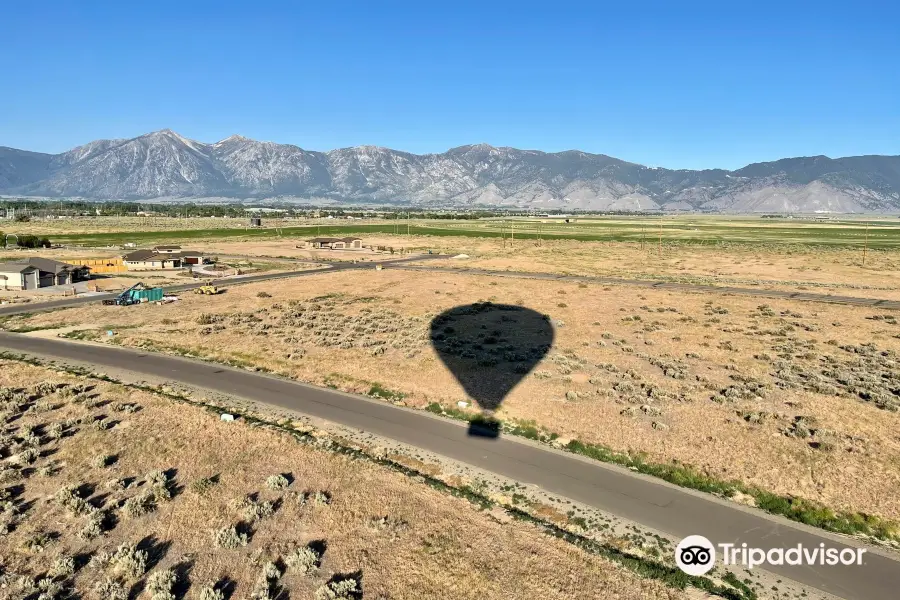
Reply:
x=165 y=165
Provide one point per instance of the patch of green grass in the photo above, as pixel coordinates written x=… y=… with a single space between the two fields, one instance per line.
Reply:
x=378 y=391
x=721 y=230
x=82 y=334
x=27 y=328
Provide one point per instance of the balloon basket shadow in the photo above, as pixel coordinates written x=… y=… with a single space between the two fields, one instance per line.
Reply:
x=484 y=426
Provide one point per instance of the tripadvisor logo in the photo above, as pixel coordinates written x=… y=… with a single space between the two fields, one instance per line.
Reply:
x=696 y=555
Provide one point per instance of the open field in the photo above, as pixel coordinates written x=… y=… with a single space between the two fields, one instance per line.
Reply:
x=104 y=499
x=794 y=399
x=797 y=268
x=695 y=230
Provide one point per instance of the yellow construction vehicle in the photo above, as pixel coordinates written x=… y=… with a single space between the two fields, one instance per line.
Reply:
x=207 y=290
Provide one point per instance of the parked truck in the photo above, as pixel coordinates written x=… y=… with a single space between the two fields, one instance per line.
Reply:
x=136 y=294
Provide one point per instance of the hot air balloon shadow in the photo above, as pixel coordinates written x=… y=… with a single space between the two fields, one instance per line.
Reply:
x=490 y=348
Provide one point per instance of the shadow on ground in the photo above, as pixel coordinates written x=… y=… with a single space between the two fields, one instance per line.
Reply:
x=490 y=348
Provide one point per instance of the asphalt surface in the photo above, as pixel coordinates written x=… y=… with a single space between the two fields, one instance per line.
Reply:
x=665 y=285
x=643 y=500
x=328 y=267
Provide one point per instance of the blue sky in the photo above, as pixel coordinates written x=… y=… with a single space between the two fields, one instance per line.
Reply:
x=675 y=84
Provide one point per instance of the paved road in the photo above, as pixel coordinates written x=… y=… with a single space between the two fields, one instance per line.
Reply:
x=328 y=267
x=640 y=499
x=665 y=285
x=399 y=264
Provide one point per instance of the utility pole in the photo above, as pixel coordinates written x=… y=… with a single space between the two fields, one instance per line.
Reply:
x=659 y=246
x=866 y=244
x=407 y=222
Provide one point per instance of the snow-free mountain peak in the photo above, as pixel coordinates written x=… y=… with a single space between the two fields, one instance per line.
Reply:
x=166 y=164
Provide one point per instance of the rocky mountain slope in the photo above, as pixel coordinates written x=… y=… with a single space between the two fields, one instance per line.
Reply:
x=164 y=164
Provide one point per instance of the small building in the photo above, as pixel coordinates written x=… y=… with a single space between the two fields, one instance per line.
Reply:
x=163 y=257
x=150 y=259
x=331 y=243
x=36 y=272
x=255 y=222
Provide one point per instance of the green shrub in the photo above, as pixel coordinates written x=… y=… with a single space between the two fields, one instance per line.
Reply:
x=109 y=589
x=160 y=584
x=277 y=482
x=304 y=559
x=228 y=537
x=203 y=485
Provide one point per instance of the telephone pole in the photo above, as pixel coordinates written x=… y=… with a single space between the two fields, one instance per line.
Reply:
x=659 y=245
x=866 y=245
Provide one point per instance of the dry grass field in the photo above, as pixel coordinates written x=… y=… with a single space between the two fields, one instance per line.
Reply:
x=103 y=498
x=798 y=399
x=822 y=270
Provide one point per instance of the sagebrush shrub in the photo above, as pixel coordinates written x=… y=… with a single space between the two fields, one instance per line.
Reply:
x=202 y=485
x=129 y=562
x=277 y=482
x=102 y=424
x=93 y=526
x=63 y=567
x=304 y=559
x=68 y=498
x=209 y=592
x=101 y=461
x=139 y=505
x=26 y=456
x=50 y=590
x=159 y=485
x=37 y=542
x=55 y=431
x=264 y=587
x=228 y=537
x=255 y=510
x=109 y=589
x=345 y=589
x=160 y=584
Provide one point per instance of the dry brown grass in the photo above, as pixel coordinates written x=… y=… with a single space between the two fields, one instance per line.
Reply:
x=836 y=271
x=431 y=544
x=850 y=463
